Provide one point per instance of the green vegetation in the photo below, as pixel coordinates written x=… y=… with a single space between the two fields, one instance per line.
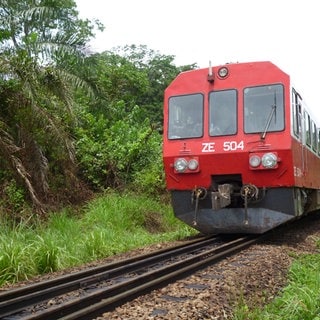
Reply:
x=299 y=300
x=110 y=224
x=74 y=124
x=73 y=121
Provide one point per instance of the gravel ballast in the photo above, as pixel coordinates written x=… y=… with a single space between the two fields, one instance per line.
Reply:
x=254 y=276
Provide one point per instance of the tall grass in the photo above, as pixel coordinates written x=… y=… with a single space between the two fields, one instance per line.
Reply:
x=300 y=300
x=108 y=225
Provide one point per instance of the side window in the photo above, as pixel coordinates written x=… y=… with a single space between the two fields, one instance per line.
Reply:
x=319 y=142
x=297 y=116
x=307 y=126
x=314 y=136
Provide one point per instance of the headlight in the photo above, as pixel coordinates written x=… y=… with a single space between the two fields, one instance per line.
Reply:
x=180 y=165
x=269 y=160
x=254 y=161
x=193 y=164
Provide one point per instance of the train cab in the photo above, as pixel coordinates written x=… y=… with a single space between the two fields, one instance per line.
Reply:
x=230 y=155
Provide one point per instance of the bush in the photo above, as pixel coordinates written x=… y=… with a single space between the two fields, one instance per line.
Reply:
x=128 y=151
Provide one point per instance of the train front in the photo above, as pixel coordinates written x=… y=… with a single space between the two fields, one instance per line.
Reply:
x=226 y=148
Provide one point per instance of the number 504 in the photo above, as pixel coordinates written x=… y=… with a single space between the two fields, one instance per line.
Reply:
x=233 y=145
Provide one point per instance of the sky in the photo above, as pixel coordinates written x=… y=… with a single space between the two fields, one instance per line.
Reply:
x=198 y=31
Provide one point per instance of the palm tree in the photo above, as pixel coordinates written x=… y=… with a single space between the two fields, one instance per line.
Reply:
x=40 y=47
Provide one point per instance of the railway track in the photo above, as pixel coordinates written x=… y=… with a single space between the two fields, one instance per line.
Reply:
x=87 y=294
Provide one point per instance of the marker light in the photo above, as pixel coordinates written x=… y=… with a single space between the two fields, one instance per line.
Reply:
x=254 y=161
x=180 y=165
x=223 y=72
x=269 y=160
x=193 y=164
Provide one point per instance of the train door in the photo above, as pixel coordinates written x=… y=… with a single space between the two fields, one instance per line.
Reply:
x=299 y=131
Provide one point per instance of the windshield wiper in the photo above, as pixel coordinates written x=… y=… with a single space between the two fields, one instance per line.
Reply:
x=271 y=114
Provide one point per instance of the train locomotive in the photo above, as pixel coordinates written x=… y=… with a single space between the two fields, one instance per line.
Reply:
x=241 y=150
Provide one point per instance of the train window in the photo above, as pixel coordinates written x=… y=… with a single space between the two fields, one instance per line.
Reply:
x=318 y=141
x=307 y=126
x=297 y=115
x=263 y=109
x=314 y=136
x=223 y=112
x=185 y=116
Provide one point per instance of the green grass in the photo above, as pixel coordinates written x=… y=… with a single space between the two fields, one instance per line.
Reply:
x=107 y=225
x=117 y=223
x=300 y=300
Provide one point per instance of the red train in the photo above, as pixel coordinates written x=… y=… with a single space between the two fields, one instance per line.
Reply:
x=241 y=150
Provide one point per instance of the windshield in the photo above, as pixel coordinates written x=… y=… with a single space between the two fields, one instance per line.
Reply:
x=263 y=109
x=223 y=112
x=186 y=116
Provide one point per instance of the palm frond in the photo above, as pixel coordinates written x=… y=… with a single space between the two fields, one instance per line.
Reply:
x=73 y=81
x=9 y=151
x=41 y=52
x=53 y=127
x=38 y=13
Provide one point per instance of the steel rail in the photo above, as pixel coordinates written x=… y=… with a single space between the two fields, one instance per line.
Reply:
x=12 y=301
x=103 y=300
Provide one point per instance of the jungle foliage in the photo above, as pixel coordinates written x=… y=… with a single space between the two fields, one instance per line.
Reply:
x=73 y=122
